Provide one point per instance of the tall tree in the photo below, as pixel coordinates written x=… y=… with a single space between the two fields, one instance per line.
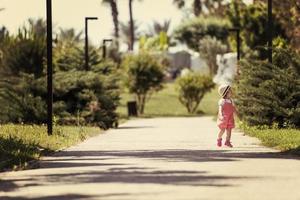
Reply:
x=287 y=13
x=114 y=11
x=131 y=26
x=126 y=32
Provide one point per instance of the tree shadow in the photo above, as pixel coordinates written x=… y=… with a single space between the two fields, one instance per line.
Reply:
x=135 y=127
x=181 y=155
x=64 y=197
x=123 y=173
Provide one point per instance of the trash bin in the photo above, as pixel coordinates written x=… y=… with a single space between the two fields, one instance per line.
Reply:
x=132 y=108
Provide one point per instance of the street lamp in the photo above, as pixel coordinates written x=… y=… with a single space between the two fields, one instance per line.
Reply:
x=270 y=31
x=104 y=47
x=238 y=42
x=87 y=41
x=49 y=68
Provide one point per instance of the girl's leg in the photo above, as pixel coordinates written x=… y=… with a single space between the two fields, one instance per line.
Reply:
x=222 y=131
x=228 y=138
x=219 y=141
x=228 y=134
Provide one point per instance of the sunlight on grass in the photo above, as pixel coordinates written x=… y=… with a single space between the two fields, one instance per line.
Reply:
x=166 y=103
x=22 y=143
x=287 y=140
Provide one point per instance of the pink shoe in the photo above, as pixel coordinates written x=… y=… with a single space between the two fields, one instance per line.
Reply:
x=219 y=142
x=228 y=144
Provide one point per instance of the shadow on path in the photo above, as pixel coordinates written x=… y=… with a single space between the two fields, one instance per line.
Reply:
x=121 y=173
x=64 y=197
x=180 y=155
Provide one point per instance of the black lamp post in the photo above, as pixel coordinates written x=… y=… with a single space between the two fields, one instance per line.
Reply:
x=238 y=42
x=270 y=30
x=49 y=69
x=87 y=41
x=104 y=47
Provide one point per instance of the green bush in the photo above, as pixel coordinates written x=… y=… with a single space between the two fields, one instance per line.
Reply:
x=79 y=96
x=192 y=88
x=144 y=76
x=269 y=93
x=21 y=99
x=26 y=52
x=91 y=96
x=194 y=30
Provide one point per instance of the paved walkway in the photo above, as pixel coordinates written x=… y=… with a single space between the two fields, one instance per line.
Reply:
x=159 y=159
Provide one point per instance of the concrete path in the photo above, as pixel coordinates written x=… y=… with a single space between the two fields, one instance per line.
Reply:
x=160 y=159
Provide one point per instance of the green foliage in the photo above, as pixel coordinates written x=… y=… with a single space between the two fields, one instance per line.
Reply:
x=21 y=101
x=156 y=28
x=253 y=21
x=26 y=52
x=144 y=76
x=194 y=30
x=69 y=52
x=79 y=96
x=155 y=43
x=22 y=143
x=93 y=94
x=287 y=140
x=209 y=48
x=192 y=88
x=269 y=93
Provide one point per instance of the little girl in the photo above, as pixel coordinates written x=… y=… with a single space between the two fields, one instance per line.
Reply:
x=225 y=115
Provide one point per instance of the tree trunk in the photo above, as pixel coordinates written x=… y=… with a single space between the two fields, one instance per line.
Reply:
x=143 y=105
x=131 y=26
x=141 y=101
x=197 y=7
x=115 y=13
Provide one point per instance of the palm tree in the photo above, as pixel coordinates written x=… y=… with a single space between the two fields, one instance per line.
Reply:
x=157 y=27
x=114 y=11
x=132 y=26
x=37 y=28
x=126 y=32
x=68 y=38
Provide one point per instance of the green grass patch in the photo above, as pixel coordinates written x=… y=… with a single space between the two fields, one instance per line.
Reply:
x=165 y=103
x=22 y=143
x=286 y=140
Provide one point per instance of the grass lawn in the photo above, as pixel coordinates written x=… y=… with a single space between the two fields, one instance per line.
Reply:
x=22 y=143
x=166 y=103
x=286 y=140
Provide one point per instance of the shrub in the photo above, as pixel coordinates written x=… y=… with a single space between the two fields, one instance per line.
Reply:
x=192 y=88
x=22 y=101
x=79 y=96
x=92 y=96
x=26 y=52
x=269 y=93
x=144 y=76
